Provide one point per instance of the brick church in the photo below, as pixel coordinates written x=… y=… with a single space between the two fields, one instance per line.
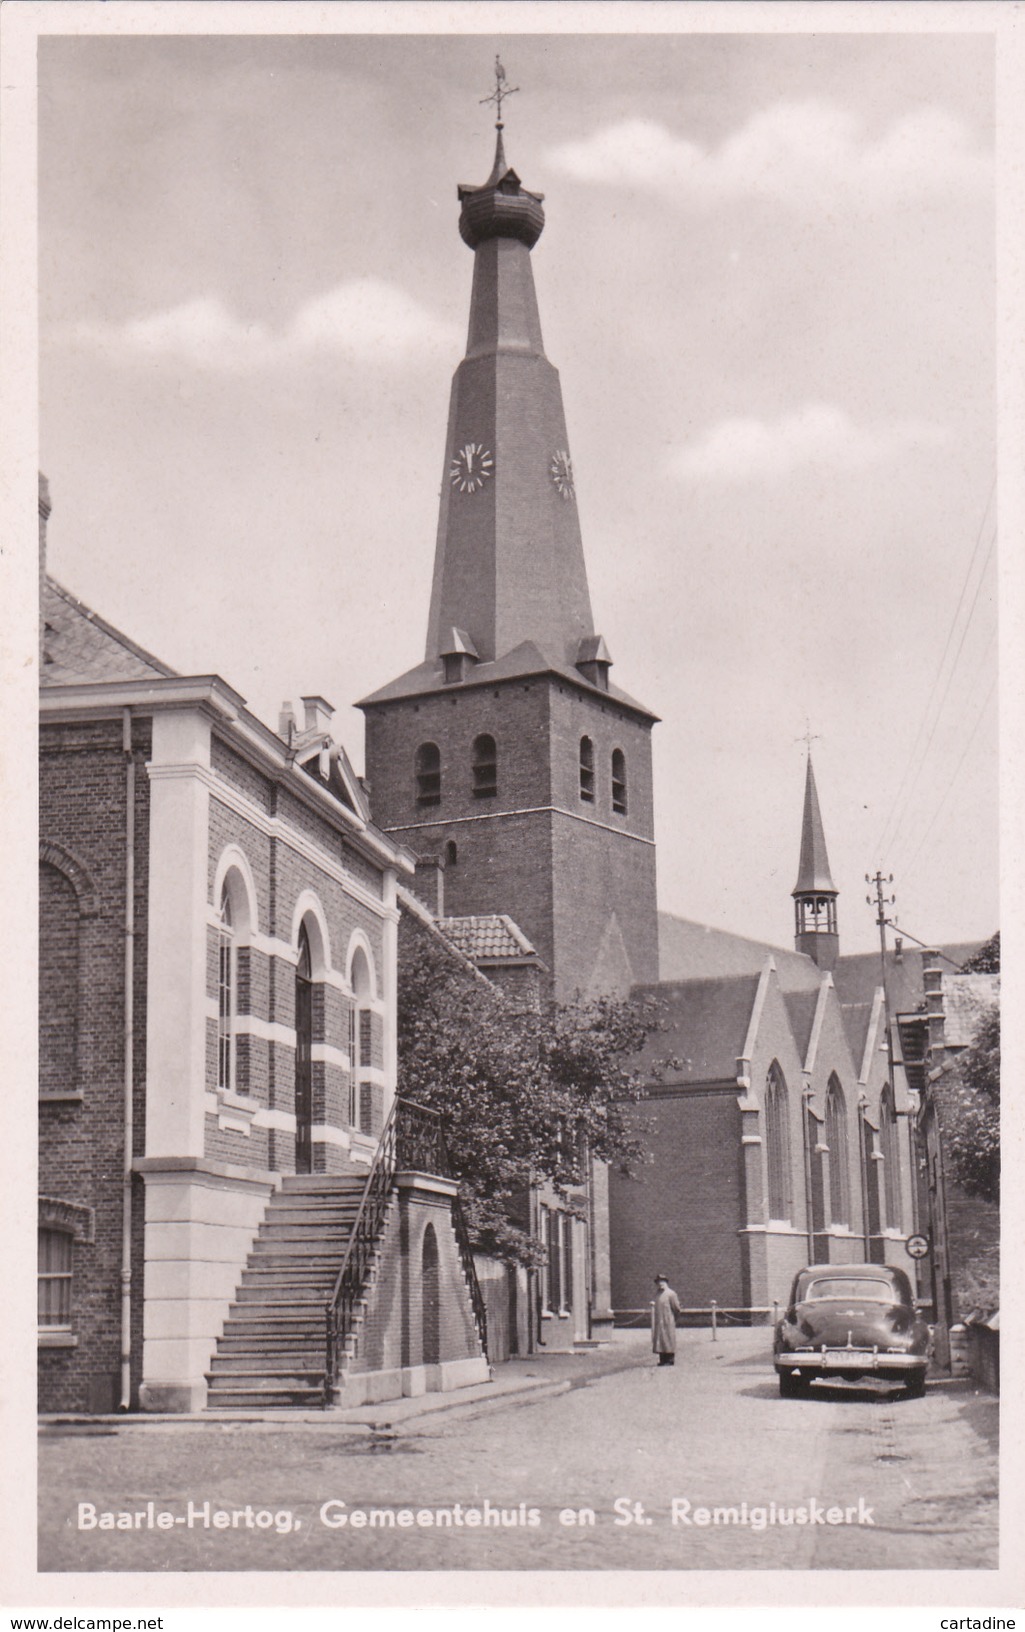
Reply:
x=214 y=1104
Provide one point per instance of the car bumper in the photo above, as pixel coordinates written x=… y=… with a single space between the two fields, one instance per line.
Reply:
x=849 y=1360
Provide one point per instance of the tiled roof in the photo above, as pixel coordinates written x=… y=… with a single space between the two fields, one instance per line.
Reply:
x=79 y=645
x=965 y=1000
x=689 y=951
x=487 y=936
x=525 y=659
x=702 y=1027
x=801 y=1007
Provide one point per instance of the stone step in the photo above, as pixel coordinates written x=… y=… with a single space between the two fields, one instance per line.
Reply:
x=334 y=1236
x=223 y=1398
x=322 y=1217
x=298 y=1367
x=301 y=1249
x=322 y=1184
x=258 y=1276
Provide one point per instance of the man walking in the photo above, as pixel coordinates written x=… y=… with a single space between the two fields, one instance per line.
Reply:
x=664 y=1311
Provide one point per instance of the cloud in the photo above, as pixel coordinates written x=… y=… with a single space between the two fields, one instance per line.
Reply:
x=818 y=434
x=364 y=320
x=808 y=153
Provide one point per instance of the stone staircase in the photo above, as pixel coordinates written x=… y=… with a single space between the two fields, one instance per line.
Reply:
x=272 y=1350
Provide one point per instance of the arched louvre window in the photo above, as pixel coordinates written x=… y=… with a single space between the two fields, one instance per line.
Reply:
x=485 y=767
x=226 y=994
x=587 y=770
x=890 y=1144
x=428 y=774
x=54 y=1298
x=777 y=1143
x=619 y=781
x=839 y=1154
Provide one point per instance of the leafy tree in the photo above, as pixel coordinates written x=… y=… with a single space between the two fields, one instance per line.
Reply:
x=971 y=1115
x=528 y=1095
x=986 y=961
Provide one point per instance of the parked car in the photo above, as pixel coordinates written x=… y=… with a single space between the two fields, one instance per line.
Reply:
x=850 y=1321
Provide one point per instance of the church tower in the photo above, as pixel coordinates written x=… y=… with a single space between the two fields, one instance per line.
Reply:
x=815 y=893
x=507 y=756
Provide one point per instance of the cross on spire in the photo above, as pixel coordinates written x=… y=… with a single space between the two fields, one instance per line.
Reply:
x=500 y=92
x=809 y=736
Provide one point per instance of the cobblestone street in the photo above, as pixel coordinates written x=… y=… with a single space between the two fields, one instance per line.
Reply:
x=594 y=1472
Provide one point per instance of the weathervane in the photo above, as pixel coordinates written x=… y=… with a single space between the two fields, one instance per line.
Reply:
x=500 y=92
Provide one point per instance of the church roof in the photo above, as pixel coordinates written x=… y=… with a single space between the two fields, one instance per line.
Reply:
x=525 y=659
x=487 y=937
x=702 y=1028
x=813 y=873
x=690 y=951
x=801 y=1008
x=79 y=645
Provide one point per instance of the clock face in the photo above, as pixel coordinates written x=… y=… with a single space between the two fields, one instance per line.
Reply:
x=472 y=466
x=562 y=473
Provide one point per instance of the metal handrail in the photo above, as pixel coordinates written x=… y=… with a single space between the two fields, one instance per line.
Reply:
x=412 y=1138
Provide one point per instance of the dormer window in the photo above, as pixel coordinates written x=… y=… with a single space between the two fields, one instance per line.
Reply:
x=619 y=781
x=587 y=770
x=428 y=774
x=485 y=767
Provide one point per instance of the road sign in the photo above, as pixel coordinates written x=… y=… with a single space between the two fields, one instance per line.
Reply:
x=916 y=1246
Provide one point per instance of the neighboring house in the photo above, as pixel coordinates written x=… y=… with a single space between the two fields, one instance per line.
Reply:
x=218 y=966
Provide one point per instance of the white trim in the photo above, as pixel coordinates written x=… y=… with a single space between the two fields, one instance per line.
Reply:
x=817 y=1023
x=747 y=1056
x=870 y=1045
x=232 y=858
x=528 y=810
x=372 y=1074
x=358 y=942
x=327 y=1054
x=322 y=1133
x=267 y=1118
x=273 y=827
x=750 y=1138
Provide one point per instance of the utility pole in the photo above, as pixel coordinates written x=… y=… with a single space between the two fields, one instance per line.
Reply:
x=881 y=903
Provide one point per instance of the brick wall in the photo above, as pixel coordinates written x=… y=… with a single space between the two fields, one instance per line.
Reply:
x=393 y=1330
x=682 y=1213
x=82 y=819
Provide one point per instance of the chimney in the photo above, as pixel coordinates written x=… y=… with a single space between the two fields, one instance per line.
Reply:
x=318 y=714
x=932 y=980
x=286 y=723
x=429 y=884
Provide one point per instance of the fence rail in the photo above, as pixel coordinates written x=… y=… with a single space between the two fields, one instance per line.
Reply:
x=717 y=1314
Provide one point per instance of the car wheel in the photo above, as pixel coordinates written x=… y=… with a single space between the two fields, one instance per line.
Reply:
x=914 y=1388
x=791 y=1387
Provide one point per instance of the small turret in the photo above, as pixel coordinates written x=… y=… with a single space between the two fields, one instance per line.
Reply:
x=815 y=931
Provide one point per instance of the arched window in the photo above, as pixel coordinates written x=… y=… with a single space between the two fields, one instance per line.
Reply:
x=890 y=1145
x=59 y=935
x=226 y=993
x=428 y=774
x=430 y=1292
x=619 y=781
x=54 y=1296
x=777 y=1143
x=485 y=767
x=587 y=770
x=362 y=1042
x=839 y=1154
x=451 y=853
x=304 y=1055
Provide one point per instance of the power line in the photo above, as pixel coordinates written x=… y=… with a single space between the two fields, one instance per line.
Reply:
x=957 y=772
x=939 y=671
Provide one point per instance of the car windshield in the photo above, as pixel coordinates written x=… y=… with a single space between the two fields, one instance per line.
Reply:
x=848 y=1287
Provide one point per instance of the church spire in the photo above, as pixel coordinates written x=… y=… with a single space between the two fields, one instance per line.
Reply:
x=509 y=568
x=815 y=893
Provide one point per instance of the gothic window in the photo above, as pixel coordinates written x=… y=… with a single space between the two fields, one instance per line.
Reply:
x=839 y=1154
x=777 y=1143
x=54 y=1297
x=451 y=853
x=587 y=770
x=619 y=781
x=889 y=1141
x=226 y=994
x=485 y=767
x=428 y=774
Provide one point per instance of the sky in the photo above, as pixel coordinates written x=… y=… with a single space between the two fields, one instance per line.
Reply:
x=767 y=280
